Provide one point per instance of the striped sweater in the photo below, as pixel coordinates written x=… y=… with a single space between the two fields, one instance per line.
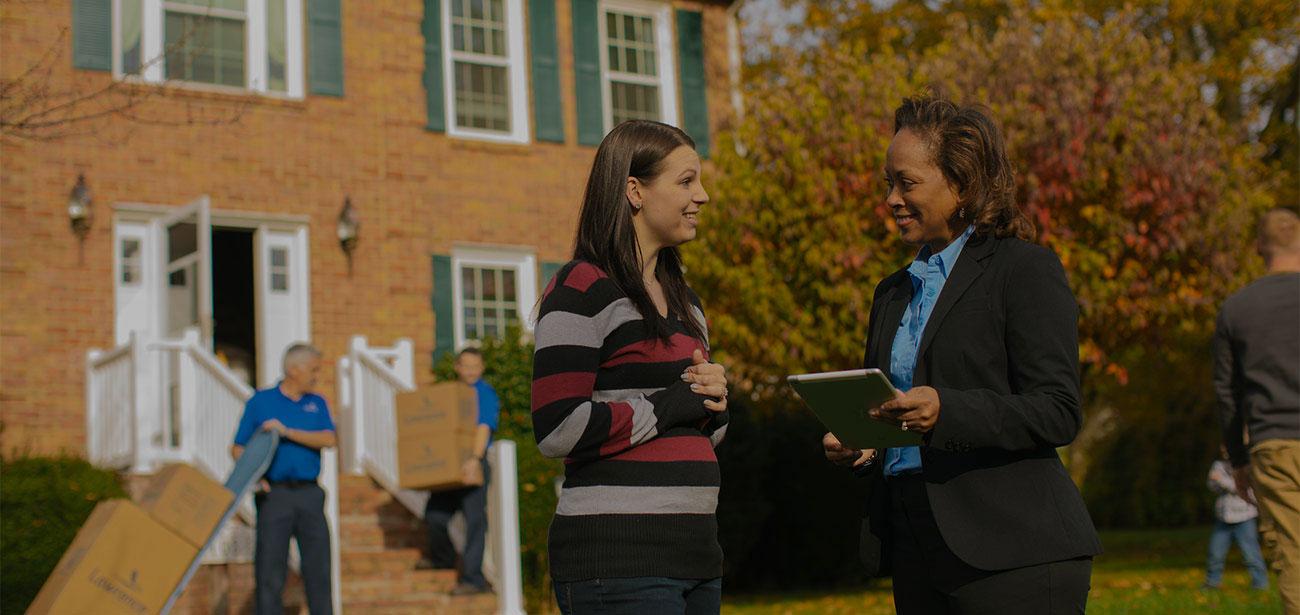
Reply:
x=641 y=479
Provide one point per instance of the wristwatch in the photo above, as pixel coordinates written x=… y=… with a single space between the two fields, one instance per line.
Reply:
x=863 y=469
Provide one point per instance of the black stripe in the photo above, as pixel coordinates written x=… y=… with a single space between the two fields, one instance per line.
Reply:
x=643 y=474
x=596 y=546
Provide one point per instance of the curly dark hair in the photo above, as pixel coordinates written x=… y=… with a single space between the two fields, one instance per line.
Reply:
x=968 y=147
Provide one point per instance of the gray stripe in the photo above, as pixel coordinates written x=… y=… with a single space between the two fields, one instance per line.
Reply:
x=718 y=435
x=560 y=328
x=560 y=442
x=698 y=315
x=644 y=421
x=608 y=395
x=611 y=500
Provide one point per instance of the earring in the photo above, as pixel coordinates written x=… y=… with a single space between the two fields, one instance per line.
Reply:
x=636 y=206
x=962 y=213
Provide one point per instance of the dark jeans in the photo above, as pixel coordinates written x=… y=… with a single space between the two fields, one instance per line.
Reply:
x=929 y=579
x=437 y=514
x=640 y=595
x=1221 y=539
x=298 y=511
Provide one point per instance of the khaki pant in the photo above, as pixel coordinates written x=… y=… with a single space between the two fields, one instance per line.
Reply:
x=1275 y=471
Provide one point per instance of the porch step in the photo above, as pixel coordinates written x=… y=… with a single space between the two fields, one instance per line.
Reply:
x=484 y=604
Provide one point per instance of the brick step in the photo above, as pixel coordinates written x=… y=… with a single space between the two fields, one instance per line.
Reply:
x=389 y=560
x=411 y=584
x=484 y=604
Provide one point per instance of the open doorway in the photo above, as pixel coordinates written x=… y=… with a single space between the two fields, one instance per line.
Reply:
x=234 y=301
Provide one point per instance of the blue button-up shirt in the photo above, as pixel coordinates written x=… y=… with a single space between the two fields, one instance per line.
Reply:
x=929 y=273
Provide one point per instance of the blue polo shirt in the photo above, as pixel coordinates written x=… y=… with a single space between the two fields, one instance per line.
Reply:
x=292 y=461
x=489 y=406
x=929 y=272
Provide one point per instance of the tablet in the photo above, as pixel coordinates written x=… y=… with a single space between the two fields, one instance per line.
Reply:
x=841 y=400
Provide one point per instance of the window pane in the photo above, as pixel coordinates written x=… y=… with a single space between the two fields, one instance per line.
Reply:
x=498 y=13
x=482 y=96
x=458 y=38
x=490 y=324
x=177 y=278
x=467 y=290
x=633 y=101
x=229 y=5
x=204 y=49
x=632 y=55
x=489 y=284
x=476 y=9
x=512 y=316
x=478 y=42
x=280 y=281
x=130 y=248
x=276 y=54
x=458 y=8
x=279 y=257
x=182 y=240
x=508 y=284
x=132 y=15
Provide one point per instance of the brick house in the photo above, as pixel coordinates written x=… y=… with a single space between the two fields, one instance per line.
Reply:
x=460 y=132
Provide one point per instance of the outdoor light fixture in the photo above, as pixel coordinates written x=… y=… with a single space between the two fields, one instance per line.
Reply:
x=81 y=213
x=348 y=229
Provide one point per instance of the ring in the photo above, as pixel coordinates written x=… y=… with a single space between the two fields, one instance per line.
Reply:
x=904 y=425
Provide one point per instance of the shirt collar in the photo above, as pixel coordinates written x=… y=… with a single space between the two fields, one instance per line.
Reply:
x=946 y=258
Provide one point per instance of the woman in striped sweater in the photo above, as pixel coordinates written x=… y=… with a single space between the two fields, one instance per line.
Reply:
x=624 y=393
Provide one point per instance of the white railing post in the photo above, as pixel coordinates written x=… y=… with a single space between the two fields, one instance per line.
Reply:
x=358 y=408
x=139 y=381
x=404 y=364
x=329 y=481
x=188 y=451
x=504 y=501
x=349 y=463
x=94 y=420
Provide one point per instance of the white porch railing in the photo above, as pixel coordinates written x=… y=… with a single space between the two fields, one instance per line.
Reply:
x=149 y=404
x=369 y=380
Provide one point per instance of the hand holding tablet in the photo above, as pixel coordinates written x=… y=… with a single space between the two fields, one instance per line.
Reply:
x=841 y=400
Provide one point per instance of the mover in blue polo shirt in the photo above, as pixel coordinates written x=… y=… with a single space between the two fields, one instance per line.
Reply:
x=290 y=503
x=471 y=500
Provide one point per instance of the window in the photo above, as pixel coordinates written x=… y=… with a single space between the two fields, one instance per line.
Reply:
x=492 y=290
x=485 y=74
x=279 y=269
x=247 y=44
x=637 y=62
x=130 y=262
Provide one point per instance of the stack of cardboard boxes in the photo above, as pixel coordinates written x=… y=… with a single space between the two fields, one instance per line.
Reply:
x=128 y=558
x=435 y=436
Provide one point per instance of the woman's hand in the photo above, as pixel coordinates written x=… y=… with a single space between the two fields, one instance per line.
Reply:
x=841 y=455
x=916 y=410
x=707 y=379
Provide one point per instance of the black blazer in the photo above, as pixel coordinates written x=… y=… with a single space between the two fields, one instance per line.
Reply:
x=1002 y=349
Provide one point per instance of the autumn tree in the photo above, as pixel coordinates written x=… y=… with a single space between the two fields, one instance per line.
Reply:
x=1131 y=176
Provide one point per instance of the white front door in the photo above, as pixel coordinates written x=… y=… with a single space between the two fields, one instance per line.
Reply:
x=187 y=271
x=283 y=295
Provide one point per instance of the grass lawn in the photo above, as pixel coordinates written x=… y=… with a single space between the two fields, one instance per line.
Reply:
x=1148 y=571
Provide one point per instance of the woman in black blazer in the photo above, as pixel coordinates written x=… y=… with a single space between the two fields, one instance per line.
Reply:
x=980 y=333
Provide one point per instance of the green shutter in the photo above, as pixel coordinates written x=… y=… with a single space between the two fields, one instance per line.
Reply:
x=325 y=47
x=690 y=57
x=444 y=317
x=586 y=68
x=549 y=269
x=92 y=34
x=434 y=99
x=548 y=115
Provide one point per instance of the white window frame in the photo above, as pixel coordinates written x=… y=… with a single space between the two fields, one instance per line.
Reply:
x=152 y=43
x=523 y=261
x=666 y=80
x=517 y=78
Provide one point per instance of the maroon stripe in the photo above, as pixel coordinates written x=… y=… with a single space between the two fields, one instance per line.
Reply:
x=679 y=347
x=567 y=385
x=620 y=428
x=583 y=276
x=670 y=449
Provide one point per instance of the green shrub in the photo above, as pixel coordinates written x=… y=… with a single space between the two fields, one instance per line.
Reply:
x=508 y=363
x=44 y=502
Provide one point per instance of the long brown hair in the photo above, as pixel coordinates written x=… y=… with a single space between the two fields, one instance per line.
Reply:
x=606 y=236
x=968 y=147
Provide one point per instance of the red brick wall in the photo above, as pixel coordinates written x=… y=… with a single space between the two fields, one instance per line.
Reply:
x=417 y=193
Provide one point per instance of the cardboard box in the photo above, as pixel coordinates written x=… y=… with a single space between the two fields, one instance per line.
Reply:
x=435 y=435
x=122 y=562
x=186 y=502
x=442 y=408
